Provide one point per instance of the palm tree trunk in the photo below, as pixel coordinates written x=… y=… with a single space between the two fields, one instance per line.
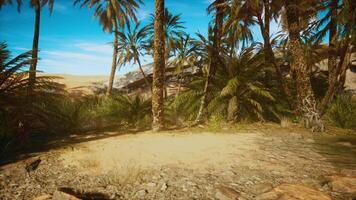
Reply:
x=114 y=61
x=344 y=65
x=307 y=107
x=332 y=62
x=36 y=36
x=158 y=67
x=143 y=73
x=214 y=62
x=269 y=54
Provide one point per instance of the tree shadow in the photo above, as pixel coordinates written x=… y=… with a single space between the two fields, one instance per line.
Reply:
x=340 y=151
x=43 y=142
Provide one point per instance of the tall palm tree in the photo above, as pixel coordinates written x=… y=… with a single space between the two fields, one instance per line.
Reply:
x=217 y=5
x=245 y=14
x=173 y=27
x=158 y=67
x=5 y=2
x=186 y=53
x=338 y=22
x=132 y=43
x=36 y=5
x=113 y=15
x=307 y=105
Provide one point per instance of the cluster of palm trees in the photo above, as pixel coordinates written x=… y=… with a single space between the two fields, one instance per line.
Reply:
x=232 y=66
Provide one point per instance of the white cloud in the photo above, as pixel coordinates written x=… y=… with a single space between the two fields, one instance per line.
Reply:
x=94 y=47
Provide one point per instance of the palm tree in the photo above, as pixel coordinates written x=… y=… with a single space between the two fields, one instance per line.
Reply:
x=242 y=85
x=307 y=105
x=238 y=90
x=173 y=28
x=113 y=14
x=244 y=15
x=158 y=67
x=337 y=21
x=5 y=2
x=133 y=109
x=132 y=43
x=186 y=53
x=37 y=5
x=18 y=115
x=217 y=5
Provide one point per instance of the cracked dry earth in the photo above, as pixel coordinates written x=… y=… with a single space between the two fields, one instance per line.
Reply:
x=264 y=163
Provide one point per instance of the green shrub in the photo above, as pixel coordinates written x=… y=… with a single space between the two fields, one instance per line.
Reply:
x=215 y=122
x=342 y=112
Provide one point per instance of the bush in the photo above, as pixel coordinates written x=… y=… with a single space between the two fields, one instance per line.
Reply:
x=342 y=112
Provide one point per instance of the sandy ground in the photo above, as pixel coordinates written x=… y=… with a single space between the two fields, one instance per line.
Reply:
x=195 y=164
x=194 y=151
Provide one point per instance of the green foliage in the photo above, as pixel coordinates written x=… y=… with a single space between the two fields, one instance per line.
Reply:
x=21 y=110
x=215 y=122
x=342 y=112
x=239 y=92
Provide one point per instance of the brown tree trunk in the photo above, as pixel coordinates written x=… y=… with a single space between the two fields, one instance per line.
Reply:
x=332 y=61
x=114 y=61
x=158 y=67
x=307 y=107
x=343 y=68
x=33 y=67
x=214 y=61
x=269 y=54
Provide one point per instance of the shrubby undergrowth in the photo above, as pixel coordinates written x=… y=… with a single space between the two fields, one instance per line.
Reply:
x=342 y=112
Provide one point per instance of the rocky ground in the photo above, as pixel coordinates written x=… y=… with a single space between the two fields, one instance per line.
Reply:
x=261 y=163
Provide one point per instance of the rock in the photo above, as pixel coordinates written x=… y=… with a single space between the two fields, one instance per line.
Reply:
x=262 y=188
x=164 y=186
x=309 y=140
x=291 y=191
x=141 y=193
x=63 y=196
x=226 y=193
x=151 y=184
x=44 y=197
x=191 y=183
x=346 y=144
x=342 y=184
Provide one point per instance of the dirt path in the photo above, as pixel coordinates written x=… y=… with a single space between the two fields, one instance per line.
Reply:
x=251 y=164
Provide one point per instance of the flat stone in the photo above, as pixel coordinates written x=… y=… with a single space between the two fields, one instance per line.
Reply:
x=58 y=195
x=43 y=197
x=342 y=184
x=151 y=184
x=141 y=193
x=226 y=193
x=293 y=191
x=164 y=186
x=262 y=188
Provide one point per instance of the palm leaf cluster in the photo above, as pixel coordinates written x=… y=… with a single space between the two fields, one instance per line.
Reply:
x=23 y=112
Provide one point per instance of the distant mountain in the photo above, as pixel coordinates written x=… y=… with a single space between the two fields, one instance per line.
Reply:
x=76 y=81
x=132 y=76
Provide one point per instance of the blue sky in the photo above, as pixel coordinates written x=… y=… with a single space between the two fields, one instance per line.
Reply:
x=72 y=40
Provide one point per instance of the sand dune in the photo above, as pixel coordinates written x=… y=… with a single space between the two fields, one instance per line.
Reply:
x=73 y=81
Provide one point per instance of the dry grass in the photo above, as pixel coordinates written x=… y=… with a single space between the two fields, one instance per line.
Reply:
x=286 y=122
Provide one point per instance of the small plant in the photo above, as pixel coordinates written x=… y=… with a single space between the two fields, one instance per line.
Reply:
x=342 y=112
x=215 y=122
x=286 y=122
